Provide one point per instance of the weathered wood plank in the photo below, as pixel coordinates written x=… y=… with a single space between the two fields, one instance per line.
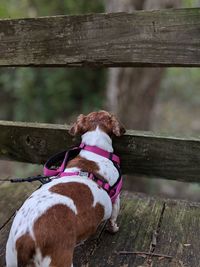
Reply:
x=11 y=198
x=141 y=153
x=3 y=239
x=179 y=235
x=138 y=219
x=141 y=38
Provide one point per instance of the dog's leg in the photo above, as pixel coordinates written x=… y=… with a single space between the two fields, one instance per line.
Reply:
x=112 y=224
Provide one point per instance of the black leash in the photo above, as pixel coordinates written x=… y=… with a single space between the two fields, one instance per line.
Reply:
x=40 y=178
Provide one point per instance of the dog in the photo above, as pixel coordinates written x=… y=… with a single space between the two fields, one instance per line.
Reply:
x=68 y=210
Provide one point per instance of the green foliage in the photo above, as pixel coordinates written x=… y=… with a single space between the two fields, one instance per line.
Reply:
x=33 y=8
x=54 y=95
x=46 y=94
x=191 y=3
x=51 y=95
x=181 y=84
x=67 y=7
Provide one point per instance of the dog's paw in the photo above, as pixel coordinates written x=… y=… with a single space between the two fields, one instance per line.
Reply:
x=112 y=227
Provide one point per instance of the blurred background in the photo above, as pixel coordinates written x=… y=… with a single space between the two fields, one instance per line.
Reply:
x=163 y=100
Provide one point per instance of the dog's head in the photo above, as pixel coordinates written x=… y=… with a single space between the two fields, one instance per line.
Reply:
x=106 y=121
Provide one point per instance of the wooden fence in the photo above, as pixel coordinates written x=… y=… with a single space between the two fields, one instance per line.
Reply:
x=145 y=38
x=141 y=152
x=157 y=232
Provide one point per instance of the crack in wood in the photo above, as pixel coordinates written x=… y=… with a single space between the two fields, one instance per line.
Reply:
x=143 y=254
x=97 y=240
x=156 y=233
x=8 y=220
x=154 y=240
x=154 y=26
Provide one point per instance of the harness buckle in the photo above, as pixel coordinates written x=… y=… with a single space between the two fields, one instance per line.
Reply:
x=82 y=173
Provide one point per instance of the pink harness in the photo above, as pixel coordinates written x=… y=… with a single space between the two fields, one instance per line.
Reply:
x=65 y=156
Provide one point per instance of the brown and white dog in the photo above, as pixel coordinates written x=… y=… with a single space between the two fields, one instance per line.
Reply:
x=67 y=210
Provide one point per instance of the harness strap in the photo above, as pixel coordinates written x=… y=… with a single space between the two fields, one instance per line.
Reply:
x=101 y=152
x=55 y=166
x=52 y=167
x=113 y=191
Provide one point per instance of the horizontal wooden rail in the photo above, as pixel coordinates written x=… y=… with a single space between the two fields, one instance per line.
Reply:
x=141 y=153
x=141 y=38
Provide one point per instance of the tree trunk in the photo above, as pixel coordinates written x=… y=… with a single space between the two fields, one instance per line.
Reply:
x=131 y=92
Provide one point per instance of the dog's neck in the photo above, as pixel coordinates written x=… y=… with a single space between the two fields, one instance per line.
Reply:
x=98 y=138
x=105 y=166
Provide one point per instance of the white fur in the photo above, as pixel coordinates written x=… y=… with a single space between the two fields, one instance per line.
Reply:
x=98 y=138
x=106 y=166
x=43 y=199
x=36 y=205
x=112 y=224
x=11 y=253
x=41 y=261
x=103 y=141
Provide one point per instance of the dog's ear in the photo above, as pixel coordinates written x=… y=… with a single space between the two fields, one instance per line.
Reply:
x=79 y=127
x=118 y=128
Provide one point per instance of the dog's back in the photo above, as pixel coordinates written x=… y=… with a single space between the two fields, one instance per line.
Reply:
x=53 y=220
x=69 y=209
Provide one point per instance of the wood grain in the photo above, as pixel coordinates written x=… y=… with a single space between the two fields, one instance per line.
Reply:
x=3 y=239
x=141 y=153
x=141 y=38
x=11 y=198
x=179 y=235
x=138 y=220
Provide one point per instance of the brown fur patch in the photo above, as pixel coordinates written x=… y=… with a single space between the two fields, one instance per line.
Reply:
x=59 y=229
x=55 y=233
x=104 y=120
x=85 y=165
x=25 y=247
x=88 y=217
